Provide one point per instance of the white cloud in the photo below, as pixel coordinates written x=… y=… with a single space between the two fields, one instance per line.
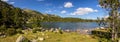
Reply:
x=63 y=12
x=40 y=0
x=68 y=5
x=5 y=0
x=82 y=11
x=11 y=2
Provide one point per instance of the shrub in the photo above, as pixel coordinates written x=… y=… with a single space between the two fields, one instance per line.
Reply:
x=19 y=31
x=36 y=29
x=26 y=40
x=10 y=31
x=104 y=40
x=60 y=31
x=101 y=34
x=2 y=28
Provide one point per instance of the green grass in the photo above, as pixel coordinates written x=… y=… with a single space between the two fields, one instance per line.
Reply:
x=53 y=37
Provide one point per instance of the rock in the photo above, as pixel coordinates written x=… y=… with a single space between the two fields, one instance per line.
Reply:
x=3 y=36
x=86 y=30
x=102 y=28
x=41 y=38
x=33 y=40
x=118 y=40
x=67 y=30
x=21 y=39
x=57 y=30
x=51 y=30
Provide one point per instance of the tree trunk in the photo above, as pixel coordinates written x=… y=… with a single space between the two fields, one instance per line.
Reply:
x=113 y=31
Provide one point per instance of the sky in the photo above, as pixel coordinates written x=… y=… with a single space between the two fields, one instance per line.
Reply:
x=85 y=9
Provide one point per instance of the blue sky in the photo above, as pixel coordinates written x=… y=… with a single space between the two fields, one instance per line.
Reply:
x=86 y=9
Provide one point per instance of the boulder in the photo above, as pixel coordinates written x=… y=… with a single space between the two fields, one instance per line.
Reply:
x=3 y=36
x=33 y=40
x=21 y=39
x=41 y=38
x=67 y=30
x=51 y=30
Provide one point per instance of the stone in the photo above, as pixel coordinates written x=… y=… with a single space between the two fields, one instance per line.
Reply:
x=3 y=36
x=67 y=30
x=33 y=40
x=51 y=30
x=102 y=28
x=118 y=40
x=20 y=38
x=41 y=38
x=57 y=30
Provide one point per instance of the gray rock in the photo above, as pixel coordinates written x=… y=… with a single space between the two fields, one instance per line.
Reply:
x=20 y=38
x=33 y=40
x=51 y=30
x=3 y=36
x=41 y=38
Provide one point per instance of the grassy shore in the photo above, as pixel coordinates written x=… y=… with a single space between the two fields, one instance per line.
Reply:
x=52 y=37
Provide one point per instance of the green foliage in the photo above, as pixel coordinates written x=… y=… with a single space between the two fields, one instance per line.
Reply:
x=10 y=31
x=2 y=28
x=19 y=31
x=11 y=18
x=102 y=34
x=36 y=29
x=113 y=8
x=104 y=40
x=26 y=40
x=60 y=31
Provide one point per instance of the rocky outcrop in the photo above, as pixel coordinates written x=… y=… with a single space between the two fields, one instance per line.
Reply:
x=21 y=38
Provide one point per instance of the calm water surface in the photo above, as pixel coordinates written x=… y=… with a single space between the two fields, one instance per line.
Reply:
x=70 y=25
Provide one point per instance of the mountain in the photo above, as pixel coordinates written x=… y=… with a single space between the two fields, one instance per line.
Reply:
x=11 y=16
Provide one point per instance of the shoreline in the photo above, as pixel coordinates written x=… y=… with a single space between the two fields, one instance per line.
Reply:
x=81 y=31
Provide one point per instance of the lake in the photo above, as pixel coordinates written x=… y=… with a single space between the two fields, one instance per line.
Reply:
x=70 y=25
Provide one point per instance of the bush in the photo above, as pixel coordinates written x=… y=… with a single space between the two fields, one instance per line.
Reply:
x=10 y=31
x=19 y=31
x=101 y=34
x=104 y=40
x=2 y=28
x=26 y=40
x=60 y=31
x=36 y=29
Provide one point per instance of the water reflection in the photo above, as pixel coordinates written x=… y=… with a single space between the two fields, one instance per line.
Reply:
x=70 y=25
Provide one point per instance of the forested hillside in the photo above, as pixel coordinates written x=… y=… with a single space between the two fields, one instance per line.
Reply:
x=12 y=18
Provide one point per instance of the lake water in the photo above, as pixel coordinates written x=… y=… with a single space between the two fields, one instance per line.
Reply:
x=70 y=25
